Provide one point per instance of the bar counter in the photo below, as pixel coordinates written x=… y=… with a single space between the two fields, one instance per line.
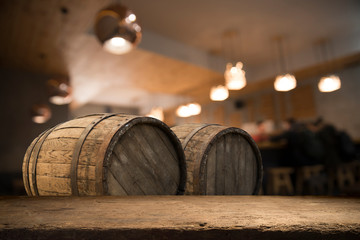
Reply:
x=180 y=217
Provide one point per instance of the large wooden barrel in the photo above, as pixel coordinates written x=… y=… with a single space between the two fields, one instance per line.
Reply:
x=220 y=160
x=105 y=154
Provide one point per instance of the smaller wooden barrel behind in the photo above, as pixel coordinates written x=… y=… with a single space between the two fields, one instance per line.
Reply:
x=105 y=154
x=220 y=160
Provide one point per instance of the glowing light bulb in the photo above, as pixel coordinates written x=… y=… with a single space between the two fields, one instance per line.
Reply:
x=40 y=113
x=284 y=83
x=60 y=100
x=117 y=30
x=235 y=76
x=117 y=45
x=183 y=111
x=188 y=110
x=132 y=17
x=194 y=108
x=329 y=83
x=219 y=93
x=117 y=41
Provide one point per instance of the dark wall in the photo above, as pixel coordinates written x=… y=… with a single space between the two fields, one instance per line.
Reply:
x=19 y=91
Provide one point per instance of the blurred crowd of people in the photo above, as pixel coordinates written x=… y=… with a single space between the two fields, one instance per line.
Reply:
x=317 y=142
x=311 y=143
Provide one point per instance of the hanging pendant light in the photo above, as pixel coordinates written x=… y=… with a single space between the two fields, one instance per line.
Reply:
x=188 y=110
x=40 y=113
x=283 y=82
x=183 y=111
x=59 y=91
x=235 y=76
x=117 y=29
x=195 y=108
x=219 y=93
x=329 y=83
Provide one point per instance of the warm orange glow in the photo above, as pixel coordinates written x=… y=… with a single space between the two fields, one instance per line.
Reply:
x=117 y=29
x=235 y=76
x=284 y=83
x=195 y=108
x=59 y=91
x=219 y=93
x=183 y=111
x=329 y=83
x=40 y=113
x=132 y=17
x=188 y=110
x=60 y=100
x=117 y=45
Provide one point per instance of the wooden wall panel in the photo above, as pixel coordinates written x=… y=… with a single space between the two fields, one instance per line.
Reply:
x=250 y=106
x=195 y=119
x=302 y=102
x=235 y=119
x=267 y=106
x=282 y=105
x=219 y=115
x=170 y=117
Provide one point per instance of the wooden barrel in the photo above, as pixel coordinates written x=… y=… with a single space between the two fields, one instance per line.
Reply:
x=105 y=154
x=220 y=160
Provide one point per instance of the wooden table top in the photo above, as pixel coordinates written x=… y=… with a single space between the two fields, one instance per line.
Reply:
x=180 y=217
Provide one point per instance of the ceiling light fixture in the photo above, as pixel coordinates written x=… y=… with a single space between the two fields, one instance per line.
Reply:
x=330 y=82
x=219 y=93
x=283 y=82
x=59 y=91
x=195 y=108
x=117 y=29
x=234 y=75
x=40 y=113
x=188 y=110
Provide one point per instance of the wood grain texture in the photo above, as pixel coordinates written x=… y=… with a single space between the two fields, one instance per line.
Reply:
x=220 y=160
x=26 y=162
x=303 y=102
x=267 y=106
x=128 y=155
x=235 y=119
x=180 y=217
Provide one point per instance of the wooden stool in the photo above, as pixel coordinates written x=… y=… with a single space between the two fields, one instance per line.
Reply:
x=356 y=169
x=304 y=174
x=279 y=179
x=345 y=176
